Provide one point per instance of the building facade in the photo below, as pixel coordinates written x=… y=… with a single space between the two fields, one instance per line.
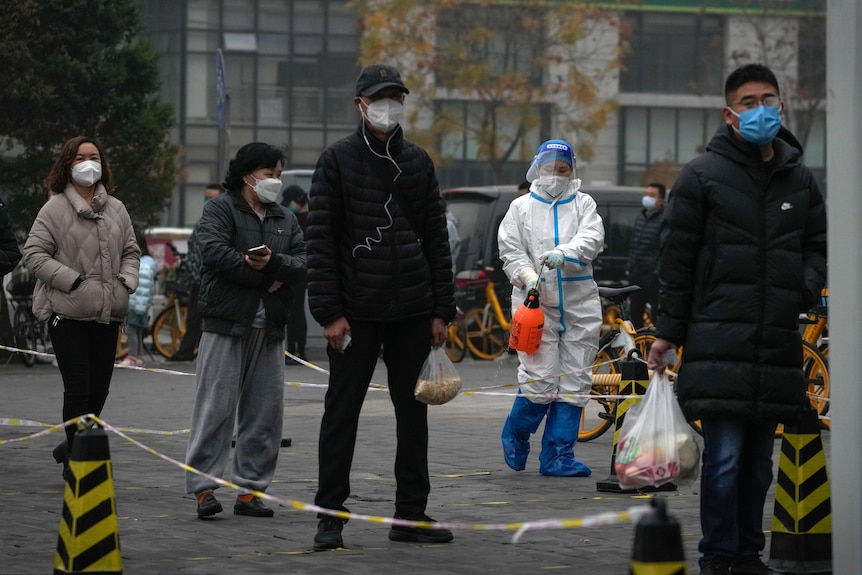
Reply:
x=290 y=66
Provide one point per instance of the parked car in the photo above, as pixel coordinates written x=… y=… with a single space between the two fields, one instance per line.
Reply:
x=479 y=211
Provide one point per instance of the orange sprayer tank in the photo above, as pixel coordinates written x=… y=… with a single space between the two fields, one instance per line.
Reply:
x=527 y=325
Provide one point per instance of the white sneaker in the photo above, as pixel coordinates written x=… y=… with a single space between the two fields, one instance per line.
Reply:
x=132 y=361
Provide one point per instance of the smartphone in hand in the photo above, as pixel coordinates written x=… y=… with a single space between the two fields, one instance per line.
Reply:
x=256 y=251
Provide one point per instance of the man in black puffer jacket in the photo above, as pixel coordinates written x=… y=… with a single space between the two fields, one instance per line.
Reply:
x=642 y=267
x=379 y=274
x=743 y=252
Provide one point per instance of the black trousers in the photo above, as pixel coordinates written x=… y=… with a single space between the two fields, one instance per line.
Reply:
x=85 y=352
x=405 y=347
x=648 y=294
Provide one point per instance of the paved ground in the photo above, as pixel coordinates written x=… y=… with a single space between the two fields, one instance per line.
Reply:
x=160 y=532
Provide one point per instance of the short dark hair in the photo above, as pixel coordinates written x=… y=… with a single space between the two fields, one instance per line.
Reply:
x=249 y=158
x=215 y=186
x=746 y=74
x=662 y=191
x=525 y=185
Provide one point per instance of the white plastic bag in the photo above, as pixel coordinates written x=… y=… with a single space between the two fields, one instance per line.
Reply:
x=656 y=444
x=438 y=381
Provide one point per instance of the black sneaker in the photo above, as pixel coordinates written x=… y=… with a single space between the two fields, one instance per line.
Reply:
x=716 y=567
x=208 y=505
x=328 y=534
x=253 y=508
x=181 y=357
x=419 y=534
x=748 y=565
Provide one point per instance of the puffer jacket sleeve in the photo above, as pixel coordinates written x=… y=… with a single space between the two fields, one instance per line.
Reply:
x=40 y=247
x=814 y=246
x=325 y=216
x=681 y=238
x=130 y=257
x=435 y=245
x=286 y=267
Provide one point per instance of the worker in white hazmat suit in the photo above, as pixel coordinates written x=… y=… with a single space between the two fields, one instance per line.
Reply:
x=554 y=230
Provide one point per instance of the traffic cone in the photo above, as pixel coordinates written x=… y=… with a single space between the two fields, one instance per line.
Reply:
x=634 y=381
x=658 y=543
x=802 y=521
x=89 y=538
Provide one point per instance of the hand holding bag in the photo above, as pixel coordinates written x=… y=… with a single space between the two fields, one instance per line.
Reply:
x=438 y=381
x=656 y=444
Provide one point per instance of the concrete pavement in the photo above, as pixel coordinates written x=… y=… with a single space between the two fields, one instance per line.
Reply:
x=160 y=532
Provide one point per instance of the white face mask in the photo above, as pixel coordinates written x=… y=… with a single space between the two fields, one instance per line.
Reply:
x=267 y=190
x=87 y=172
x=552 y=185
x=384 y=115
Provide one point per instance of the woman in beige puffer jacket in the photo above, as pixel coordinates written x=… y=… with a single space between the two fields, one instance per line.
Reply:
x=83 y=253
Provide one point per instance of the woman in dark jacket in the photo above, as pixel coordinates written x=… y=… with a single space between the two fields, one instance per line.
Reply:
x=244 y=303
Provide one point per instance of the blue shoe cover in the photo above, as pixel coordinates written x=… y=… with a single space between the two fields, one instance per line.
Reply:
x=558 y=442
x=523 y=420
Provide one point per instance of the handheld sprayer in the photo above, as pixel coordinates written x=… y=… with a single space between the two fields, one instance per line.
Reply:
x=528 y=322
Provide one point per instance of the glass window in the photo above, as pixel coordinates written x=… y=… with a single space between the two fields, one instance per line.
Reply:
x=662 y=135
x=673 y=53
x=812 y=58
x=274 y=16
x=239 y=14
x=308 y=16
x=505 y=48
x=240 y=42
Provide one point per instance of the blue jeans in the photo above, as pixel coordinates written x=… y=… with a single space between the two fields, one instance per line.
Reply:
x=737 y=473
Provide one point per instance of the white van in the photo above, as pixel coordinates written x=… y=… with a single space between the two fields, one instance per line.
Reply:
x=301 y=178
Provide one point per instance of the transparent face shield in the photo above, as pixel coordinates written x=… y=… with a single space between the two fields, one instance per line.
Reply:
x=559 y=163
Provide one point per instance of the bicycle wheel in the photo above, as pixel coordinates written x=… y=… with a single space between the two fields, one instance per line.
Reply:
x=485 y=340
x=122 y=344
x=168 y=330
x=644 y=339
x=815 y=367
x=598 y=415
x=455 y=347
x=25 y=335
x=604 y=363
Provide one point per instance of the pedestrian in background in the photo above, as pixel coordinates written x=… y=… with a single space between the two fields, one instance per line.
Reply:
x=244 y=303
x=83 y=253
x=374 y=196
x=10 y=255
x=187 y=350
x=139 y=307
x=296 y=200
x=556 y=227
x=642 y=267
x=743 y=253
x=524 y=188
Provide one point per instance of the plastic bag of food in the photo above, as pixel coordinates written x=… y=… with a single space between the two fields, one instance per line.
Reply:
x=438 y=381
x=656 y=444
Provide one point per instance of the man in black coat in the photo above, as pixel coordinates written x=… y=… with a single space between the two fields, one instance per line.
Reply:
x=379 y=275
x=743 y=252
x=642 y=267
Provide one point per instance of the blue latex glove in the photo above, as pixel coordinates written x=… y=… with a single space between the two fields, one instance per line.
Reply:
x=552 y=259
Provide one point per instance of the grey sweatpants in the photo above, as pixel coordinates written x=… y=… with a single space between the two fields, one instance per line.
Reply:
x=242 y=380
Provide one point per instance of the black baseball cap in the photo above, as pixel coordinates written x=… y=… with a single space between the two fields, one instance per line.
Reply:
x=375 y=77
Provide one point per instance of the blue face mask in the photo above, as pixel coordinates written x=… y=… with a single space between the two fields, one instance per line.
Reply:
x=648 y=202
x=759 y=125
